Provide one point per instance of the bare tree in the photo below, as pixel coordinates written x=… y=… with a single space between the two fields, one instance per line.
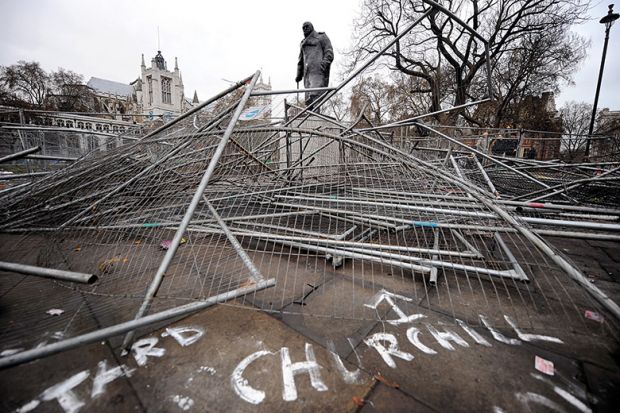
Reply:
x=68 y=92
x=375 y=96
x=523 y=35
x=575 y=122
x=26 y=81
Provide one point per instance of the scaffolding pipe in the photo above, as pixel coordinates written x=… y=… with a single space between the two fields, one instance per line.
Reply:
x=61 y=275
x=107 y=332
x=157 y=279
x=20 y=154
x=247 y=261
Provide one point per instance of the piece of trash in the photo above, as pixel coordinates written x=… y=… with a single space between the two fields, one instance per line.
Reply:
x=77 y=248
x=167 y=243
x=593 y=315
x=544 y=366
x=106 y=265
x=358 y=401
x=55 y=311
x=387 y=382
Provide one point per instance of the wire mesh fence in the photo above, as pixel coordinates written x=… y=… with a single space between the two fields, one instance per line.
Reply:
x=293 y=210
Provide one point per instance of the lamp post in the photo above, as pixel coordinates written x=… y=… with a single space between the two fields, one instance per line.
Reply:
x=608 y=21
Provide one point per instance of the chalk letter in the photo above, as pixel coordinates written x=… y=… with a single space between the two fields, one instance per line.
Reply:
x=63 y=392
x=142 y=349
x=349 y=377
x=412 y=335
x=473 y=334
x=290 y=369
x=177 y=334
x=387 y=353
x=241 y=386
x=387 y=296
x=531 y=337
x=529 y=397
x=497 y=335
x=105 y=376
x=444 y=338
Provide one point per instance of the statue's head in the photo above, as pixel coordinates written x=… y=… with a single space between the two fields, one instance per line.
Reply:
x=308 y=28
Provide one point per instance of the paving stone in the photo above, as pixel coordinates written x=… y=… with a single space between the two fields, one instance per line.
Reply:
x=387 y=399
x=605 y=387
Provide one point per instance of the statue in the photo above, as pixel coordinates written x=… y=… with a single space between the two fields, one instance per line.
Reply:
x=315 y=58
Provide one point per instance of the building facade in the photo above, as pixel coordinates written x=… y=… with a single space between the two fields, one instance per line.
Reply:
x=158 y=93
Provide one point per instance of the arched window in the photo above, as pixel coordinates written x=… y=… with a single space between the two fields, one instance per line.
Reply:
x=69 y=124
x=60 y=123
x=98 y=127
x=166 y=94
x=81 y=125
x=106 y=128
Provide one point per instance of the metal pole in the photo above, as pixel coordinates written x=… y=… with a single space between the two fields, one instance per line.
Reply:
x=484 y=155
x=20 y=154
x=598 y=89
x=433 y=277
x=62 y=275
x=199 y=107
x=289 y=91
x=105 y=333
x=152 y=290
x=486 y=178
x=247 y=261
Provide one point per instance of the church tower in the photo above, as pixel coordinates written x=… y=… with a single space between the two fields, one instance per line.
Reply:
x=162 y=90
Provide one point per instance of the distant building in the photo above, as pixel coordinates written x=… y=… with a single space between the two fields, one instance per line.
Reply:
x=112 y=97
x=607 y=145
x=157 y=93
x=543 y=128
x=535 y=118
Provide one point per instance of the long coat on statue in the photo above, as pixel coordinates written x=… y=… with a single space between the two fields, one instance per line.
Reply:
x=315 y=58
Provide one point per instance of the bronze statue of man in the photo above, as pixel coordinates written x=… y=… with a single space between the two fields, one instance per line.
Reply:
x=315 y=58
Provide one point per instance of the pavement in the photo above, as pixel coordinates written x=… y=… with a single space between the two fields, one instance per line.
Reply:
x=235 y=358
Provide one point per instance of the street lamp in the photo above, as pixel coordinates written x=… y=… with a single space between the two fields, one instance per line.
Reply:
x=608 y=21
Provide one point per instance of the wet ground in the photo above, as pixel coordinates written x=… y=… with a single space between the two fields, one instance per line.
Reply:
x=233 y=359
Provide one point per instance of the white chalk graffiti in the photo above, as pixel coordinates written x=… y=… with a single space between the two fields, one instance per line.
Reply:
x=63 y=392
x=531 y=337
x=413 y=336
x=145 y=348
x=241 y=386
x=71 y=403
x=181 y=336
x=388 y=297
x=105 y=376
x=290 y=370
x=445 y=337
x=387 y=352
x=473 y=334
x=349 y=377
x=184 y=403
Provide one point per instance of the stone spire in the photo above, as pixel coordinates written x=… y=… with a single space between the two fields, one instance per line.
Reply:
x=176 y=64
x=143 y=65
x=195 y=100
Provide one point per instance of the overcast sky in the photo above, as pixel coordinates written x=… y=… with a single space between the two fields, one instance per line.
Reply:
x=223 y=39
